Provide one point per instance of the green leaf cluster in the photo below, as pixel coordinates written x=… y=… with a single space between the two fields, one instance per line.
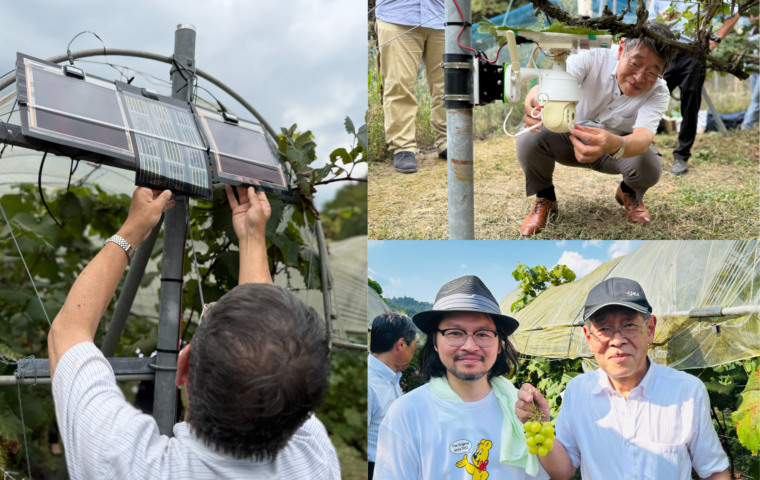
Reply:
x=535 y=280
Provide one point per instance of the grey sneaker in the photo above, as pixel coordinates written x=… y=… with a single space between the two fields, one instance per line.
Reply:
x=405 y=162
x=679 y=167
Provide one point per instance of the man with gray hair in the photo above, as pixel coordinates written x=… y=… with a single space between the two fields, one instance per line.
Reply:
x=393 y=339
x=631 y=418
x=623 y=98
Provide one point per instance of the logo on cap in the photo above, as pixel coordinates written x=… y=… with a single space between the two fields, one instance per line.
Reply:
x=632 y=294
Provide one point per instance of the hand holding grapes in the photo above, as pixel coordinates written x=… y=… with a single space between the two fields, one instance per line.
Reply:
x=539 y=432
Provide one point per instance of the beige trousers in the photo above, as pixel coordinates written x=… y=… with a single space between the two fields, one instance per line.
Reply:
x=399 y=61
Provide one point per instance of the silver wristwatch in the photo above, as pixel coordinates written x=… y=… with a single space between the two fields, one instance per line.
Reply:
x=619 y=153
x=123 y=244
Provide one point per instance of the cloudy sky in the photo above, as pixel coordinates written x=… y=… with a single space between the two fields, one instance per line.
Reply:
x=418 y=269
x=298 y=61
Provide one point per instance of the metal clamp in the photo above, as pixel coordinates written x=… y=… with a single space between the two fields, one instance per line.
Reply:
x=462 y=65
x=457 y=98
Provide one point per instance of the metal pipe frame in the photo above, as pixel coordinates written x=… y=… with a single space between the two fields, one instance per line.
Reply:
x=125 y=52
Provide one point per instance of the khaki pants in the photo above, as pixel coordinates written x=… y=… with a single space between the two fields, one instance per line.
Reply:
x=539 y=152
x=399 y=61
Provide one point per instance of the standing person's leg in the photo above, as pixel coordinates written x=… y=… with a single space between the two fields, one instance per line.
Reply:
x=435 y=47
x=691 y=99
x=753 y=112
x=400 y=61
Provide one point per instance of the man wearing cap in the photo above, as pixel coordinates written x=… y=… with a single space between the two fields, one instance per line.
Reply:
x=631 y=419
x=461 y=424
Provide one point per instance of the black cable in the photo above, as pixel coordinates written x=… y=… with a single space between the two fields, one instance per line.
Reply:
x=223 y=108
x=6 y=128
x=105 y=54
x=39 y=184
x=3 y=76
x=71 y=172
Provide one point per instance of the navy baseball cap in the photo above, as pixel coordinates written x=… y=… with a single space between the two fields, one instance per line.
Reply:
x=617 y=291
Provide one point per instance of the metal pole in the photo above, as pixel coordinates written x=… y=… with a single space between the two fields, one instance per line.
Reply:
x=175 y=231
x=128 y=292
x=9 y=380
x=325 y=280
x=459 y=129
x=716 y=116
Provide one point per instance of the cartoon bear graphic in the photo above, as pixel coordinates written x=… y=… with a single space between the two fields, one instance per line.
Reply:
x=479 y=461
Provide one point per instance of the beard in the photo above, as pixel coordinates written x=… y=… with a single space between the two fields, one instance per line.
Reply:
x=466 y=376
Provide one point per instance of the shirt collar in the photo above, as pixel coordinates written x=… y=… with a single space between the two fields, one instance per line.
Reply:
x=603 y=382
x=382 y=370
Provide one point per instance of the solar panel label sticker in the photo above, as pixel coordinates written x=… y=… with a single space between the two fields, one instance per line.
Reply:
x=241 y=154
x=170 y=151
x=83 y=113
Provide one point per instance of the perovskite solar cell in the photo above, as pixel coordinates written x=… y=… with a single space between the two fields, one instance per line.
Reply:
x=170 y=150
x=242 y=154
x=82 y=113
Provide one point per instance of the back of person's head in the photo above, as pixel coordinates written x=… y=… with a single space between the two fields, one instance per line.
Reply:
x=388 y=328
x=259 y=366
x=661 y=50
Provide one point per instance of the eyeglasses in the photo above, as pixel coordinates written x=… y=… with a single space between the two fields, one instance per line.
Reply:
x=651 y=76
x=456 y=337
x=629 y=330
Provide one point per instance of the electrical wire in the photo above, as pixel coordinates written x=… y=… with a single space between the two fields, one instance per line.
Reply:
x=71 y=57
x=39 y=184
x=540 y=107
x=195 y=259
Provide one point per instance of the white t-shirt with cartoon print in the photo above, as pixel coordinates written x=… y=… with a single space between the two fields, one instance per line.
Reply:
x=424 y=437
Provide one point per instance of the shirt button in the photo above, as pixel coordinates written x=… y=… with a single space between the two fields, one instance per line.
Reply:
x=629 y=477
x=627 y=444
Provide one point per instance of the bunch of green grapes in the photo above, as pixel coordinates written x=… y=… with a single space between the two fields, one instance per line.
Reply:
x=539 y=436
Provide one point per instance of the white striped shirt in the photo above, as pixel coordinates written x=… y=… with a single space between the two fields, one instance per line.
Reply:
x=603 y=106
x=383 y=390
x=661 y=431
x=107 y=438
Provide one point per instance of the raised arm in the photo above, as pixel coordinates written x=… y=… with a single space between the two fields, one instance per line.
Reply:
x=249 y=219
x=93 y=290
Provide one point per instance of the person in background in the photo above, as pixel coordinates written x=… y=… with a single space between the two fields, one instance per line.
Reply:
x=393 y=339
x=688 y=73
x=409 y=31
x=753 y=112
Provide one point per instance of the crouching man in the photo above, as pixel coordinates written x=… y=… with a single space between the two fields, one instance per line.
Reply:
x=256 y=370
x=631 y=419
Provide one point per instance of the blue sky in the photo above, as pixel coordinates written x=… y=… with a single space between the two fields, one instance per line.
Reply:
x=418 y=269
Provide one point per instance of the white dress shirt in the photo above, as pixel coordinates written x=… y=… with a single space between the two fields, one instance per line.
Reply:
x=384 y=389
x=602 y=104
x=428 y=13
x=661 y=431
x=107 y=438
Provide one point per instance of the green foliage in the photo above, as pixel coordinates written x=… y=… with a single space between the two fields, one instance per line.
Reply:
x=550 y=377
x=747 y=417
x=408 y=305
x=534 y=281
x=346 y=215
x=375 y=286
x=344 y=411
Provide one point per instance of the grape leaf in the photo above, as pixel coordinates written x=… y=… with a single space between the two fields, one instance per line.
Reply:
x=747 y=416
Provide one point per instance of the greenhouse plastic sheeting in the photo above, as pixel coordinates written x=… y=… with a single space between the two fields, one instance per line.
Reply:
x=677 y=277
x=375 y=306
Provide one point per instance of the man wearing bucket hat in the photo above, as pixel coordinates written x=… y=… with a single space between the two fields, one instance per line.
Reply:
x=461 y=425
x=632 y=418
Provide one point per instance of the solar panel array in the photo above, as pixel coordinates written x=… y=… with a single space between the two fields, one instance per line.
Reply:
x=169 y=143
x=170 y=151
x=242 y=154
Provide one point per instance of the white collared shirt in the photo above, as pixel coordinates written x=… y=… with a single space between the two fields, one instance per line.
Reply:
x=602 y=104
x=107 y=438
x=383 y=390
x=661 y=431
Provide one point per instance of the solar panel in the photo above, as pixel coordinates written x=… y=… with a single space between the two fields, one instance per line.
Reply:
x=77 y=111
x=171 y=152
x=242 y=153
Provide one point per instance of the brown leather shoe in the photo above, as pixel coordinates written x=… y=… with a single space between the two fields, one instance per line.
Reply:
x=634 y=209
x=536 y=219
